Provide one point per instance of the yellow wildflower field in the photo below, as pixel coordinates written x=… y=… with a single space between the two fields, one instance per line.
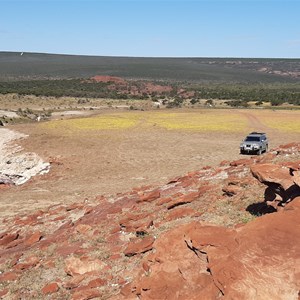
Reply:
x=103 y=122
x=203 y=120
x=198 y=120
x=284 y=121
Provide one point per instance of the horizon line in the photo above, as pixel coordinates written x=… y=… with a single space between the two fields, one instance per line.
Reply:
x=129 y=56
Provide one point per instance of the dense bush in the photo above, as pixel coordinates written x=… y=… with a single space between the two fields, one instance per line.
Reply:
x=275 y=93
x=237 y=103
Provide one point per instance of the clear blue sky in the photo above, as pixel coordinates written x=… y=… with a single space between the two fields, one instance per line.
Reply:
x=145 y=28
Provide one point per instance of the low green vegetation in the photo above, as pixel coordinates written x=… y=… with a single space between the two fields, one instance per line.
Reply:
x=235 y=80
x=56 y=88
x=275 y=93
x=238 y=95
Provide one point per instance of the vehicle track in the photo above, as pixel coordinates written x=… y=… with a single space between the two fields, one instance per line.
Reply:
x=256 y=124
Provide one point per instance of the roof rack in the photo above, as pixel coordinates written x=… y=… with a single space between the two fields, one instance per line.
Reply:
x=254 y=132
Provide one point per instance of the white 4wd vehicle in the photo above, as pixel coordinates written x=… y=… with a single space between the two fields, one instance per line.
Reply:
x=255 y=142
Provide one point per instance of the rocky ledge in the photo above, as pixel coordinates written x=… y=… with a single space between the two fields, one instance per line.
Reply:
x=230 y=232
x=16 y=166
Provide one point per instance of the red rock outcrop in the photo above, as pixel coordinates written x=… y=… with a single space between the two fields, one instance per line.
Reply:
x=150 y=88
x=260 y=260
x=106 y=78
x=282 y=181
x=166 y=242
x=138 y=88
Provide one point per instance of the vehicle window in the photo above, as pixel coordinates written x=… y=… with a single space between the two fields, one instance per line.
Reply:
x=252 y=139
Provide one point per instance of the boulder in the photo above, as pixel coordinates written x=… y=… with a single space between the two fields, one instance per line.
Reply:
x=188 y=198
x=174 y=271
x=281 y=181
x=7 y=238
x=9 y=276
x=231 y=190
x=141 y=246
x=180 y=212
x=271 y=173
x=149 y=196
x=33 y=238
x=86 y=294
x=50 y=288
x=78 y=266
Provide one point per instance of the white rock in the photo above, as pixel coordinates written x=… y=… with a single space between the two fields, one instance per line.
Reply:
x=16 y=166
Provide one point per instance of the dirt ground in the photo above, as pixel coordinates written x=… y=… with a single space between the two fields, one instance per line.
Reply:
x=105 y=162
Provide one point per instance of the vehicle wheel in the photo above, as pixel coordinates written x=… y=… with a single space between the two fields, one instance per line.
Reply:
x=242 y=152
x=266 y=149
x=259 y=152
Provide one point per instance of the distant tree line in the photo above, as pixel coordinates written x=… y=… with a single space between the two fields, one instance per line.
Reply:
x=275 y=93
x=55 y=88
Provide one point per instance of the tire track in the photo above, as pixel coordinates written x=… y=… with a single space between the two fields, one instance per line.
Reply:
x=256 y=124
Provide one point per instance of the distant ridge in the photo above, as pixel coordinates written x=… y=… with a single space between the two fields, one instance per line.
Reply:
x=27 y=66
